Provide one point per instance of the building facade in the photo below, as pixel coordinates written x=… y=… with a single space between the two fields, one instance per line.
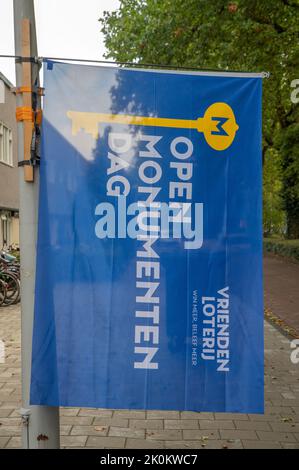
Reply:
x=9 y=186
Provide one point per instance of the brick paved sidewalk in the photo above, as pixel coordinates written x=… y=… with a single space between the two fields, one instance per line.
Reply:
x=278 y=428
x=281 y=292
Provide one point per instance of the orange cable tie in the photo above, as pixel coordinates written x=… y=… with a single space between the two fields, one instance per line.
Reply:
x=28 y=89
x=24 y=113
x=38 y=117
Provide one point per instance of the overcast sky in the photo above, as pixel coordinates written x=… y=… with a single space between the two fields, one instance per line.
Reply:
x=65 y=28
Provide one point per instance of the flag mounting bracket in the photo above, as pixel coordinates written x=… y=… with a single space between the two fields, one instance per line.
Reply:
x=28 y=113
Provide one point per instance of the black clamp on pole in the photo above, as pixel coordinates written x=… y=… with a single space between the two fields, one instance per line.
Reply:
x=33 y=60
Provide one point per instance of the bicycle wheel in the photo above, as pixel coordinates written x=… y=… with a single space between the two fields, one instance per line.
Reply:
x=17 y=277
x=12 y=288
x=2 y=292
x=18 y=298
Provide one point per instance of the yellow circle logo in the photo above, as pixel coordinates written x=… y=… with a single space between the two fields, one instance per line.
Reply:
x=218 y=126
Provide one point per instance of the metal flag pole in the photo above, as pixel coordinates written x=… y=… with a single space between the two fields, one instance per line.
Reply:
x=40 y=424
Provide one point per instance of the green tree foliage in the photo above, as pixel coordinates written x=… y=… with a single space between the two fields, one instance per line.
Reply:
x=289 y=147
x=245 y=35
x=274 y=215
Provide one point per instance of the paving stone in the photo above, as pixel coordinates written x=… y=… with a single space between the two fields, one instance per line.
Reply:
x=7 y=390
x=69 y=411
x=264 y=417
x=221 y=444
x=238 y=434
x=5 y=412
x=182 y=445
x=276 y=436
x=3 y=442
x=204 y=434
x=144 y=444
x=89 y=431
x=261 y=444
x=8 y=431
x=73 y=441
x=122 y=423
x=163 y=414
x=4 y=376
x=206 y=415
x=277 y=410
x=115 y=431
x=274 y=396
x=95 y=413
x=15 y=413
x=14 y=443
x=77 y=420
x=146 y=423
x=106 y=442
x=231 y=416
x=7 y=397
x=75 y=448
x=10 y=421
x=165 y=435
x=280 y=403
x=65 y=429
x=181 y=424
x=12 y=404
x=253 y=425
x=129 y=414
x=289 y=395
x=290 y=445
x=216 y=424
x=285 y=427
x=203 y=444
x=192 y=415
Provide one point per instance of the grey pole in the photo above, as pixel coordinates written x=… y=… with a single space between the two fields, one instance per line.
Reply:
x=40 y=428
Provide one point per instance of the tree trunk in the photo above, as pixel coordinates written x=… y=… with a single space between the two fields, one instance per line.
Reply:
x=293 y=226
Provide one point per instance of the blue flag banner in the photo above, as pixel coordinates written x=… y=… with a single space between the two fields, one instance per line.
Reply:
x=149 y=255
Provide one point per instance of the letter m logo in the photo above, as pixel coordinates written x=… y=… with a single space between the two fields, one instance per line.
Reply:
x=220 y=122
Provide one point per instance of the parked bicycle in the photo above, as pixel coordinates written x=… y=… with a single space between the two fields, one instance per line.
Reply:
x=9 y=279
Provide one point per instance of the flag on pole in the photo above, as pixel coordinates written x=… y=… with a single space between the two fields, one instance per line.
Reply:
x=149 y=257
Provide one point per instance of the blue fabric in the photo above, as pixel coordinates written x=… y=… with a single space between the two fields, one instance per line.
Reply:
x=86 y=335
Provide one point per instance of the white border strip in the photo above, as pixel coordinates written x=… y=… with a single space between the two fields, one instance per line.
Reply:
x=203 y=73
x=172 y=71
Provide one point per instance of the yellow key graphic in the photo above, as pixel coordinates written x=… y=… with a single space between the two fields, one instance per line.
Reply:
x=218 y=123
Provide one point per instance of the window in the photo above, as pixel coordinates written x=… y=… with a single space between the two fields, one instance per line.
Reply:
x=6 y=229
x=5 y=144
x=2 y=92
